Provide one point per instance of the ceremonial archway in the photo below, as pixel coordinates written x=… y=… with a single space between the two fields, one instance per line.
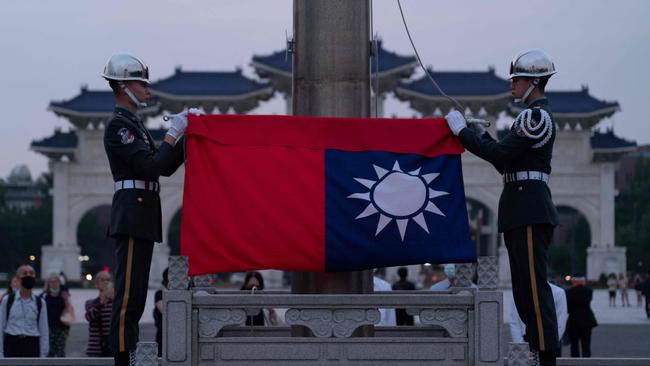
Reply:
x=571 y=238
x=482 y=224
x=97 y=250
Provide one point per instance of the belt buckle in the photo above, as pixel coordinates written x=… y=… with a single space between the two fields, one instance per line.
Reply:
x=535 y=175
x=521 y=175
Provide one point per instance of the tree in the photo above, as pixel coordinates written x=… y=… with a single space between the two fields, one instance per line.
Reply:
x=633 y=218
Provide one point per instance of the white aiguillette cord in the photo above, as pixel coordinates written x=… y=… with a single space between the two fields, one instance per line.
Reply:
x=460 y=107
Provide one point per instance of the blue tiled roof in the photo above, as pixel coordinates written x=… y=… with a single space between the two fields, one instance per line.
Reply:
x=199 y=83
x=92 y=101
x=68 y=140
x=607 y=140
x=387 y=60
x=276 y=60
x=576 y=102
x=60 y=140
x=459 y=83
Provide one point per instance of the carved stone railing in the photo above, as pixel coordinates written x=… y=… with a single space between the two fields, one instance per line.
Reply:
x=462 y=326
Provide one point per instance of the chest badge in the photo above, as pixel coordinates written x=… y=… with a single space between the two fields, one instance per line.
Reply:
x=126 y=136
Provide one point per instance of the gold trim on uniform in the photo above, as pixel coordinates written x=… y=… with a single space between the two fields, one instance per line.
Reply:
x=533 y=286
x=125 y=299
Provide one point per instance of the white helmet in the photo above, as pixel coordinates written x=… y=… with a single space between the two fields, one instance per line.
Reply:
x=532 y=64
x=124 y=67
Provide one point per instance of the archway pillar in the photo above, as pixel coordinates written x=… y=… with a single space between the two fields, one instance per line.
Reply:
x=605 y=260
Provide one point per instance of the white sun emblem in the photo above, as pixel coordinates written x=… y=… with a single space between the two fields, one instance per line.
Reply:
x=400 y=196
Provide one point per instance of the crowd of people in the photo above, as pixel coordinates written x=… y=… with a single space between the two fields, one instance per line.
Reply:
x=40 y=326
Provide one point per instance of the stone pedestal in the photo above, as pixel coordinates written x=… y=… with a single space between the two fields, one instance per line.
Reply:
x=59 y=258
x=605 y=260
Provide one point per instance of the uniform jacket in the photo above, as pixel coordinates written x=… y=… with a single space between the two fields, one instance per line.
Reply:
x=523 y=202
x=579 y=303
x=132 y=154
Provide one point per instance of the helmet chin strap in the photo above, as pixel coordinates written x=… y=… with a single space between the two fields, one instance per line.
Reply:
x=530 y=89
x=132 y=96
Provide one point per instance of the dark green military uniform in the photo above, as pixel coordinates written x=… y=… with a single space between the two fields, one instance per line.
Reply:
x=136 y=164
x=527 y=217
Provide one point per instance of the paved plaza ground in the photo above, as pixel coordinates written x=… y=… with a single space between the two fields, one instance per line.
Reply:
x=623 y=332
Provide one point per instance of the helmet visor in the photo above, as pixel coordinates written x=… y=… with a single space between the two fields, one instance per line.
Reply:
x=144 y=73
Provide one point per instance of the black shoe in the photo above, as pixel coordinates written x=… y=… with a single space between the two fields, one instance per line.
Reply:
x=547 y=358
x=125 y=358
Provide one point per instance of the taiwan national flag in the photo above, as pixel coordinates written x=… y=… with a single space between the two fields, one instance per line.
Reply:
x=321 y=194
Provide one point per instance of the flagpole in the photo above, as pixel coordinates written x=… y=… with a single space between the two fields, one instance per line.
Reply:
x=331 y=79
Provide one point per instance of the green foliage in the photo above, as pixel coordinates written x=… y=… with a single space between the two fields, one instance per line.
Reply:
x=22 y=233
x=633 y=219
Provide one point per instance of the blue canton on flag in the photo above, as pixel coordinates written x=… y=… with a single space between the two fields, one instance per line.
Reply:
x=388 y=209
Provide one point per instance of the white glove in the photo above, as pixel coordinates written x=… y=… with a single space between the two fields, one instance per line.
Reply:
x=178 y=126
x=456 y=122
x=196 y=111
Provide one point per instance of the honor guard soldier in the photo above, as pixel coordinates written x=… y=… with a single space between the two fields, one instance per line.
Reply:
x=136 y=164
x=527 y=215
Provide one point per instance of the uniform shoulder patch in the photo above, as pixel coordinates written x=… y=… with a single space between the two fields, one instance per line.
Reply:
x=126 y=136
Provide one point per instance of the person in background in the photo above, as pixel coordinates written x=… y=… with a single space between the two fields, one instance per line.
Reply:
x=403 y=284
x=98 y=315
x=518 y=329
x=622 y=284
x=637 y=284
x=13 y=287
x=158 y=309
x=612 y=285
x=387 y=316
x=23 y=320
x=59 y=307
x=581 y=317
x=255 y=282
x=450 y=281
x=645 y=290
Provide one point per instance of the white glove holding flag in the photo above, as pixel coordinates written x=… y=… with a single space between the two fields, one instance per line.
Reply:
x=179 y=123
x=456 y=122
x=178 y=126
x=196 y=111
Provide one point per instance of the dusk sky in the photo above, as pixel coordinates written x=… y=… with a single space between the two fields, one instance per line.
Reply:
x=51 y=48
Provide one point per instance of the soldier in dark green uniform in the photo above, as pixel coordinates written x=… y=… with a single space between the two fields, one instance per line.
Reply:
x=135 y=224
x=527 y=215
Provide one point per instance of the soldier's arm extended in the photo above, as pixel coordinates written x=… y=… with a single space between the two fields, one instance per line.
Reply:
x=500 y=152
x=136 y=152
x=177 y=157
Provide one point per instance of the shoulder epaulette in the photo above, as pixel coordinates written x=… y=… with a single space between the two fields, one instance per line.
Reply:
x=540 y=127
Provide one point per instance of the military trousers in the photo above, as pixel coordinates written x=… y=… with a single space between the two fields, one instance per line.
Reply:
x=133 y=261
x=527 y=252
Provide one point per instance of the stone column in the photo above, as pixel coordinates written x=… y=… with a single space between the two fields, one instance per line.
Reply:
x=603 y=256
x=63 y=253
x=331 y=79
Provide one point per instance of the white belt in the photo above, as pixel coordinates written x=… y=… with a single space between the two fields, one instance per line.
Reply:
x=137 y=184
x=525 y=175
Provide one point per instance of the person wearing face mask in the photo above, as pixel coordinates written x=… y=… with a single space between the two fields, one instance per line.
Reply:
x=450 y=281
x=23 y=320
x=59 y=314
